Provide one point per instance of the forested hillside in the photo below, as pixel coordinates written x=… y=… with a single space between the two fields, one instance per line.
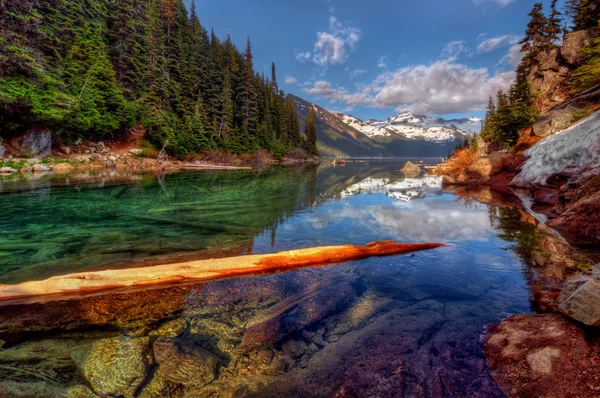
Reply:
x=98 y=68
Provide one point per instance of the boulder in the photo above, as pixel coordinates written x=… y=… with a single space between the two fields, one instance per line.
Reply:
x=580 y=297
x=581 y=220
x=554 y=121
x=65 y=149
x=62 y=168
x=41 y=168
x=135 y=152
x=35 y=142
x=410 y=169
x=115 y=366
x=483 y=168
x=574 y=42
x=7 y=170
x=182 y=362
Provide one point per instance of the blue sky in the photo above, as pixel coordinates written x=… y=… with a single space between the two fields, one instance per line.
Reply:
x=375 y=58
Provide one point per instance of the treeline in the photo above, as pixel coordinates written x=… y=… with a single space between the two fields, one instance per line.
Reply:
x=511 y=111
x=97 y=68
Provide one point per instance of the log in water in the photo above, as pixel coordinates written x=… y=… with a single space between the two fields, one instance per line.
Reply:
x=195 y=271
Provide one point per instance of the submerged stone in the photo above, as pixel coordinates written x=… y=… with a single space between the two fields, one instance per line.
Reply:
x=183 y=362
x=115 y=366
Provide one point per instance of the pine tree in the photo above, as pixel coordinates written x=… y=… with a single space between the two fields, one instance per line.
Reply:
x=488 y=131
x=584 y=13
x=248 y=96
x=554 y=28
x=535 y=39
x=310 y=131
x=274 y=86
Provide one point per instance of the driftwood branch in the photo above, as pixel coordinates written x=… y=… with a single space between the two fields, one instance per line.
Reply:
x=58 y=287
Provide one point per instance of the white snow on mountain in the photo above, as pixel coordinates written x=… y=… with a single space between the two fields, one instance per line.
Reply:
x=416 y=127
x=404 y=190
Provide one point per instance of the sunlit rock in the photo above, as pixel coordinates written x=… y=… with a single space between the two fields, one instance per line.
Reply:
x=115 y=366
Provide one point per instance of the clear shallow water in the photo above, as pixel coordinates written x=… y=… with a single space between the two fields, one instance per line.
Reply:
x=395 y=326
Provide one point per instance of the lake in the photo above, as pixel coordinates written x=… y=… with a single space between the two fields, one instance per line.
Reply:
x=406 y=325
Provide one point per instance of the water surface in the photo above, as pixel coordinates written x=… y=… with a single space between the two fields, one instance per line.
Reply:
x=394 y=326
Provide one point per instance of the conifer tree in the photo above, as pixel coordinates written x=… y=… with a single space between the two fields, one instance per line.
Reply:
x=274 y=86
x=554 y=28
x=487 y=132
x=584 y=13
x=536 y=38
x=248 y=96
x=310 y=131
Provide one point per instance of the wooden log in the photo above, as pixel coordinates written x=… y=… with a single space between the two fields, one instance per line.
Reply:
x=84 y=283
x=191 y=166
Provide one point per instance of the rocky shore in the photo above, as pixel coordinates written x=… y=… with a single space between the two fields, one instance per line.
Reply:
x=556 y=184
x=33 y=152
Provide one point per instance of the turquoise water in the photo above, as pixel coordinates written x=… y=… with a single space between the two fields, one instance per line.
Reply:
x=396 y=326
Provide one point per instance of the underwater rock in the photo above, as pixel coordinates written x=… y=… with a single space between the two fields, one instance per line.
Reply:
x=79 y=391
x=183 y=362
x=296 y=312
x=173 y=328
x=115 y=366
x=542 y=356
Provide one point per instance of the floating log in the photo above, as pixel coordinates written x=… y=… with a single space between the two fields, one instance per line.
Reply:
x=191 y=166
x=84 y=283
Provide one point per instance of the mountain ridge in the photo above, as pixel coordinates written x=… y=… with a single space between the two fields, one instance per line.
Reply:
x=341 y=135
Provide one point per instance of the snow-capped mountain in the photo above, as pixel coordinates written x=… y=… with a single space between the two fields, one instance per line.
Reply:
x=416 y=127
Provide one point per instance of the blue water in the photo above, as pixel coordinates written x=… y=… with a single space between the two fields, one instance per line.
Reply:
x=395 y=326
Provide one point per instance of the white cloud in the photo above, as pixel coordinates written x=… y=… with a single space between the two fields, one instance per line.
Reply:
x=501 y=3
x=290 y=80
x=454 y=49
x=440 y=88
x=357 y=72
x=514 y=56
x=303 y=57
x=494 y=43
x=333 y=47
x=382 y=62
x=340 y=95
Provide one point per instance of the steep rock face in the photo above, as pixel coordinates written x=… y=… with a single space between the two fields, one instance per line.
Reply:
x=580 y=297
x=554 y=121
x=34 y=142
x=550 y=72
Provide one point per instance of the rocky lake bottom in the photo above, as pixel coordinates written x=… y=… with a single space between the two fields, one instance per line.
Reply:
x=407 y=325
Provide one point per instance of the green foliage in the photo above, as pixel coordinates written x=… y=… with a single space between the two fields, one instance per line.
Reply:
x=584 y=13
x=95 y=68
x=588 y=74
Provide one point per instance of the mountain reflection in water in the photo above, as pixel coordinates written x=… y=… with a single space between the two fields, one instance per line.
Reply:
x=395 y=326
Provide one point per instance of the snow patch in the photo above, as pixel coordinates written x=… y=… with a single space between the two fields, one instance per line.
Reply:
x=577 y=146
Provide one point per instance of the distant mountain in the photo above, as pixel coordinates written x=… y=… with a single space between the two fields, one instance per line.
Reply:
x=417 y=127
x=402 y=135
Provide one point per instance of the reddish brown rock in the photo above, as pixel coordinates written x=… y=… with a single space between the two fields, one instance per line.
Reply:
x=542 y=356
x=581 y=220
